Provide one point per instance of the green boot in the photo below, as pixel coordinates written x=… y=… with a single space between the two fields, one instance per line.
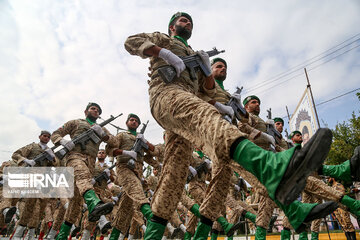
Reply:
x=202 y=231
x=285 y=234
x=115 y=233
x=154 y=231
x=146 y=211
x=314 y=236
x=229 y=228
x=283 y=174
x=260 y=233
x=95 y=206
x=352 y=204
x=250 y=216
x=299 y=213
x=339 y=172
x=214 y=234
x=195 y=210
x=303 y=236
x=64 y=232
x=187 y=236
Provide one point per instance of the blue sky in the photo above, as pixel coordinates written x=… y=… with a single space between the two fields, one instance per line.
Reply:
x=56 y=56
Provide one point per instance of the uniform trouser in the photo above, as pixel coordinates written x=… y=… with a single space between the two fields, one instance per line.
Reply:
x=310 y=198
x=48 y=216
x=75 y=207
x=134 y=197
x=197 y=190
x=318 y=188
x=136 y=221
x=266 y=205
x=190 y=122
x=59 y=215
x=344 y=220
x=32 y=211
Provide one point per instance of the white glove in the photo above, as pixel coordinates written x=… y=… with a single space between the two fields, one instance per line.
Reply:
x=151 y=192
x=270 y=122
x=68 y=144
x=30 y=162
x=107 y=172
x=192 y=171
x=85 y=206
x=237 y=96
x=237 y=188
x=51 y=153
x=269 y=138
x=115 y=199
x=173 y=60
x=205 y=59
x=93 y=181
x=98 y=130
x=223 y=109
x=131 y=154
x=141 y=137
x=208 y=163
x=66 y=205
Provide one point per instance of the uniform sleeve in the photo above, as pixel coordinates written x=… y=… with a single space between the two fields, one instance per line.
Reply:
x=245 y=127
x=137 y=44
x=112 y=139
x=21 y=154
x=113 y=144
x=67 y=128
x=151 y=161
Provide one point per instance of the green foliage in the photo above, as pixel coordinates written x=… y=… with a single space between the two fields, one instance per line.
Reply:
x=358 y=95
x=346 y=138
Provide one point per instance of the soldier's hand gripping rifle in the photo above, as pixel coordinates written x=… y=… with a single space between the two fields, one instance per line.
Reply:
x=204 y=167
x=139 y=147
x=235 y=104
x=103 y=176
x=44 y=158
x=82 y=139
x=192 y=63
x=270 y=129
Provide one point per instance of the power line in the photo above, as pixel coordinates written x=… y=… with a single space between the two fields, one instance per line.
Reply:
x=305 y=63
x=331 y=99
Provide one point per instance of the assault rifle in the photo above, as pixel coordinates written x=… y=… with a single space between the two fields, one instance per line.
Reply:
x=270 y=129
x=103 y=176
x=202 y=168
x=83 y=138
x=192 y=63
x=138 y=147
x=239 y=110
x=290 y=144
x=45 y=157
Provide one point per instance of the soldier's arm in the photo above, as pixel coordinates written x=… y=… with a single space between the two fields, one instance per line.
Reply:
x=21 y=154
x=66 y=129
x=245 y=127
x=114 y=145
x=151 y=161
x=147 y=44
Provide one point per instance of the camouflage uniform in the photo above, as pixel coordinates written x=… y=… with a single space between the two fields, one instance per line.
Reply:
x=341 y=214
x=6 y=202
x=59 y=214
x=188 y=120
x=266 y=206
x=130 y=180
x=83 y=162
x=30 y=216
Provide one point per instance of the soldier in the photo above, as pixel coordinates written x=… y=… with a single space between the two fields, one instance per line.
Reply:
x=190 y=121
x=7 y=205
x=83 y=162
x=24 y=157
x=129 y=177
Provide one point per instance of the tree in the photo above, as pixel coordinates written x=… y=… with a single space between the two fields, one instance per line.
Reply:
x=346 y=136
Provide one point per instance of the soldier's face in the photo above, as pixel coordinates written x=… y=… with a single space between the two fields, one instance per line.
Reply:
x=279 y=126
x=219 y=71
x=297 y=138
x=92 y=112
x=182 y=28
x=132 y=123
x=101 y=155
x=253 y=106
x=44 y=138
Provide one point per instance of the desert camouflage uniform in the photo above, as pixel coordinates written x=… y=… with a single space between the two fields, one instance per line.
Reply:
x=6 y=202
x=130 y=180
x=48 y=214
x=83 y=162
x=188 y=120
x=30 y=216
x=341 y=214
x=59 y=214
